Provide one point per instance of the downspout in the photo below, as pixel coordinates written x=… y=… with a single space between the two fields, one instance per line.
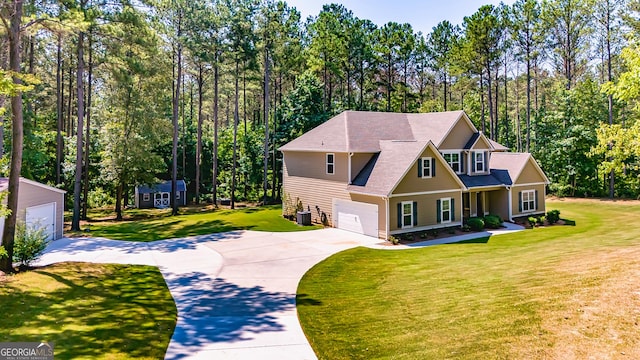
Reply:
x=510 y=210
x=386 y=223
x=349 y=166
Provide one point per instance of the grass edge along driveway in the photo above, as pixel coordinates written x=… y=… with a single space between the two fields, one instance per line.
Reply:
x=95 y=311
x=153 y=224
x=561 y=292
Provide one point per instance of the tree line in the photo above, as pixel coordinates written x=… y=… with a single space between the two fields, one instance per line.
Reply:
x=125 y=92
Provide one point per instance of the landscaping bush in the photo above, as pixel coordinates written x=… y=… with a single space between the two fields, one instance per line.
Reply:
x=532 y=221
x=553 y=216
x=476 y=224
x=29 y=244
x=394 y=240
x=3 y=252
x=492 y=221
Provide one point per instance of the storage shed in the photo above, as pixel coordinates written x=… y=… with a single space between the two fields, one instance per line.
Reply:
x=159 y=195
x=39 y=206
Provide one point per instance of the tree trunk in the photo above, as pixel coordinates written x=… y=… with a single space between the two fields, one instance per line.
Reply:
x=8 y=234
x=214 y=185
x=174 y=149
x=60 y=119
x=87 y=141
x=265 y=169
x=490 y=101
x=482 y=108
x=77 y=187
x=235 y=137
x=528 y=143
x=199 y=133
x=612 y=180
x=119 y=201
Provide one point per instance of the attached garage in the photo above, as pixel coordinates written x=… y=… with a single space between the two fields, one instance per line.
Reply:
x=39 y=206
x=354 y=216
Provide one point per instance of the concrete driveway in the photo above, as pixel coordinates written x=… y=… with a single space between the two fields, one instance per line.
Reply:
x=235 y=292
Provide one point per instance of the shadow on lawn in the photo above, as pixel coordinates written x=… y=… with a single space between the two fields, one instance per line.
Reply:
x=214 y=310
x=151 y=231
x=125 y=311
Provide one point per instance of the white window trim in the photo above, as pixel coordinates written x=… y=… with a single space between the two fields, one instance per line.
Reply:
x=476 y=162
x=459 y=162
x=177 y=195
x=442 y=211
x=410 y=203
x=146 y=197
x=426 y=160
x=531 y=194
x=332 y=163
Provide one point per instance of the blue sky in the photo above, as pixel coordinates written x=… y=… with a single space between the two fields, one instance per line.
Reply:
x=422 y=15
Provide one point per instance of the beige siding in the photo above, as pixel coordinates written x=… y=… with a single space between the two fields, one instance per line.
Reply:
x=316 y=195
x=530 y=174
x=499 y=203
x=314 y=165
x=515 y=198
x=358 y=161
x=443 y=180
x=32 y=195
x=458 y=137
x=382 y=213
x=481 y=144
x=427 y=209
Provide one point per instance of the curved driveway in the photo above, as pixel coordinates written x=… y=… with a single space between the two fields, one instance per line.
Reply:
x=235 y=292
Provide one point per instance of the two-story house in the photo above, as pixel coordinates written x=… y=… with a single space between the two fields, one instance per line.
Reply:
x=382 y=174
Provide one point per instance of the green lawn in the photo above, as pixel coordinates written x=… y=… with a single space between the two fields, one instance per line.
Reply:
x=150 y=225
x=90 y=311
x=563 y=292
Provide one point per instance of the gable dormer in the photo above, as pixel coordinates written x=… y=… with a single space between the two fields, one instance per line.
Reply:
x=478 y=154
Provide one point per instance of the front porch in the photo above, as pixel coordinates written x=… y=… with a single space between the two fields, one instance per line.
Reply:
x=478 y=202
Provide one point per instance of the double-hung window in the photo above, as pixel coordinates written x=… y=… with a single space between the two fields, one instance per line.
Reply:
x=445 y=210
x=146 y=197
x=331 y=164
x=407 y=214
x=528 y=200
x=453 y=158
x=426 y=167
x=480 y=161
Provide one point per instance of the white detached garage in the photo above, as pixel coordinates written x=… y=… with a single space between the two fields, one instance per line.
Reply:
x=39 y=206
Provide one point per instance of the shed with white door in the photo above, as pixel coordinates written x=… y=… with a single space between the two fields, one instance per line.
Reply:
x=39 y=206
x=159 y=195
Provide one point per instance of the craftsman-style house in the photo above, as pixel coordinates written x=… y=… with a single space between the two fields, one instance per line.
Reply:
x=382 y=174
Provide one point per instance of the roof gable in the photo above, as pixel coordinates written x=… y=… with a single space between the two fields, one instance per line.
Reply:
x=382 y=175
x=4 y=185
x=514 y=164
x=478 y=138
x=458 y=133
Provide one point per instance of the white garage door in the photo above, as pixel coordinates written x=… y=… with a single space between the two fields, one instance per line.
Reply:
x=42 y=216
x=361 y=218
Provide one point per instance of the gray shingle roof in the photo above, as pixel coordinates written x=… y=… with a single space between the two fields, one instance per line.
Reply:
x=362 y=131
x=392 y=163
x=511 y=164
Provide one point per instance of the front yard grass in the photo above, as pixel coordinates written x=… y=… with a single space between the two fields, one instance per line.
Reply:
x=562 y=292
x=153 y=224
x=91 y=311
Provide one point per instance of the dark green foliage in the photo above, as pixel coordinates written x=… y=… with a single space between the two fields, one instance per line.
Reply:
x=553 y=216
x=29 y=244
x=492 y=221
x=476 y=224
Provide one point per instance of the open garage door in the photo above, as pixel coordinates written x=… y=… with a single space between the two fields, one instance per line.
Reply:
x=42 y=217
x=358 y=217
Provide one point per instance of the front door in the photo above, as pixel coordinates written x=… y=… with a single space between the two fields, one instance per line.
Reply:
x=480 y=203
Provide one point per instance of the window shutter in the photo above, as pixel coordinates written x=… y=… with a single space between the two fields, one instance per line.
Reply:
x=433 y=167
x=520 y=201
x=438 y=211
x=399 y=215
x=535 y=201
x=420 y=168
x=462 y=162
x=485 y=162
x=415 y=213
x=453 y=209
x=473 y=161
